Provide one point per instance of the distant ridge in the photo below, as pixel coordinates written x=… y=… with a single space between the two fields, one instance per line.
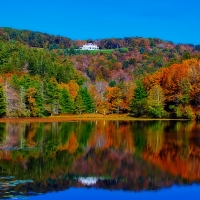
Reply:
x=45 y=40
x=35 y=38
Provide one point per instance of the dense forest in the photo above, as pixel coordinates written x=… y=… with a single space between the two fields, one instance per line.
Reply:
x=43 y=75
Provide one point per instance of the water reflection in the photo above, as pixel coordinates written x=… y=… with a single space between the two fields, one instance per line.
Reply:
x=182 y=192
x=118 y=155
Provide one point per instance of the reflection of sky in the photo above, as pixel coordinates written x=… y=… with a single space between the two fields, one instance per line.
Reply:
x=182 y=192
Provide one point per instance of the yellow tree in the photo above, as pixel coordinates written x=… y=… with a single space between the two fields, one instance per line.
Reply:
x=31 y=101
x=127 y=96
x=99 y=102
x=73 y=89
x=101 y=107
x=155 y=102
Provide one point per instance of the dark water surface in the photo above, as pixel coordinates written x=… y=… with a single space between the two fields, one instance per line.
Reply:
x=101 y=159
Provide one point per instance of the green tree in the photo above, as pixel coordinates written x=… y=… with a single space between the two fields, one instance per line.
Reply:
x=40 y=100
x=185 y=89
x=51 y=96
x=88 y=102
x=66 y=102
x=138 y=105
x=79 y=106
x=183 y=109
x=112 y=83
x=186 y=55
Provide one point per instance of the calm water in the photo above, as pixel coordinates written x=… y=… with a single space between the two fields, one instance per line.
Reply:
x=102 y=159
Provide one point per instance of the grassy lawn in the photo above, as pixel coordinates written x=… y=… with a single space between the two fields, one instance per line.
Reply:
x=106 y=51
x=92 y=52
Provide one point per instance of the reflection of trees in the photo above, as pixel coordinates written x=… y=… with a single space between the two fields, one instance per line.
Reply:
x=179 y=153
x=112 y=134
x=14 y=135
x=139 y=133
x=2 y=133
x=75 y=135
x=121 y=170
x=65 y=129
x=39 y=135
x=127 y=155
x=118 y=169
x=83 y=132
x=30 y=132
x=44 y=138
x=155 y=136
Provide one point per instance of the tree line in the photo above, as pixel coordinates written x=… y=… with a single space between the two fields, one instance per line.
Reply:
x=172 y=92
x=32 y=96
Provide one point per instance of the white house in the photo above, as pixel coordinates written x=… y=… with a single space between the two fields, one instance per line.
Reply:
x=89 y=46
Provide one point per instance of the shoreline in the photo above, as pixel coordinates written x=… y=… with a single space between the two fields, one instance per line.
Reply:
x=84 y=117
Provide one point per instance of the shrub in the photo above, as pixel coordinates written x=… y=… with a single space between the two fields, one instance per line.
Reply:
x=184 y=112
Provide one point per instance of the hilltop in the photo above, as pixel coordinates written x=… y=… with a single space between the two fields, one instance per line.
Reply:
x=44 y=40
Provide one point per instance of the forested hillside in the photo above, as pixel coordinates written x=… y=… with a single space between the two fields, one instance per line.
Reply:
x=42 y=75
x=35 y=39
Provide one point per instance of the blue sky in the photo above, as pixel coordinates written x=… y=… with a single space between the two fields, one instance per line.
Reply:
x=173 y=20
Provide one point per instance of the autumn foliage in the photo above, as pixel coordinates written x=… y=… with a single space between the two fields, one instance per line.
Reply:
x=42 y=77
x=180 y=84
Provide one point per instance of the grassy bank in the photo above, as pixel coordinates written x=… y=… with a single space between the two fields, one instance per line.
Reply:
x=82 y=117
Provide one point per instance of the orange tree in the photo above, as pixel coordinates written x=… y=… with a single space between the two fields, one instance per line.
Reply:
x=113 y=97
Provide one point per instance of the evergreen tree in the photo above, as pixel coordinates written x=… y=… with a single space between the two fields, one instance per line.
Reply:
x=66 y=102
x=2 y=103
x=40 y=101
x=51 y=96
x=79 y=106
x=138 y=105
x=88 y=102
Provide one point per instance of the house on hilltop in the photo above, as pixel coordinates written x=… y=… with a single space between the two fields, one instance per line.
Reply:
x=89 y=46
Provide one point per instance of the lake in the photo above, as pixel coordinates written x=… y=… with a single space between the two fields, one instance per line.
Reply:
x=100 y=159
